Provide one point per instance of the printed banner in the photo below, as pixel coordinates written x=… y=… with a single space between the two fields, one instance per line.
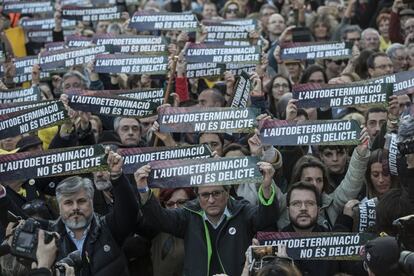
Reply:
x=317 y=246
x=403 y=82
x=73 y=41
x=210 y=171
x=312 y=50
x=131 y=64
x=155 y=95
x=91 y=14
x=215 y=119
x=316 y=95
x=367 y=215
x=222 y=54
x=133 y=43
x=25 y=121
x=227 y=30
x=65 y=161
x=134 y=158
x=28 y=7
x=332 y=132
x=69 y=57
x=204 y=69
x=54 y=46
x=15 y=107
x=391 y=153
x=20 y=95
x=103 y=2
x=24 y=66
x=111 y=105
x=40 y=36
x=145 y=21
x=45 y=23
x=242 y=91
x=238 y=68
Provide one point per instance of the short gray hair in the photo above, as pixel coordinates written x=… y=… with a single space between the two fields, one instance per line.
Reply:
x=367 y=30
x=350 y=29
x=393 y=49
x=72 y=185
x=78 y=75
x=117 y=122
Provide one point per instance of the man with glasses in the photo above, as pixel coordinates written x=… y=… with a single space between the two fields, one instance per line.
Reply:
x=216 y=229
x=399 y=57
x=379 y=64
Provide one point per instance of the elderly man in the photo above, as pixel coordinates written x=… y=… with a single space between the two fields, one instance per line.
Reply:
x=399 y=57
x=370 y=39
x=129 y=131
x=98 y=238
x=216 y=229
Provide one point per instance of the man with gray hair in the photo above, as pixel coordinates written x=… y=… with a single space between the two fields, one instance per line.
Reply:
x=370 y=39
x=399 y=57
x=99 y=239
x=129 y=131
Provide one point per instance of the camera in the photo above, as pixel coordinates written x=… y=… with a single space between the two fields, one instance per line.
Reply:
x=405 y=238
x=74 y=259
x=406 y=147
x=25 y=240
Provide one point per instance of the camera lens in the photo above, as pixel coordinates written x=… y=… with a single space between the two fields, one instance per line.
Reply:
x=407 y=262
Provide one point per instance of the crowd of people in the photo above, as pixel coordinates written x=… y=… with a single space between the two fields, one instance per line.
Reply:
x=122 y=227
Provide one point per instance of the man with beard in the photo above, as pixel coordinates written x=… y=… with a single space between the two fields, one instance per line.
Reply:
x=98 y=238
x=103 y=200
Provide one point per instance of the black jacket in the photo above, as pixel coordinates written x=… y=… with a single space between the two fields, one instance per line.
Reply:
x=232 y=241
x=102 y=254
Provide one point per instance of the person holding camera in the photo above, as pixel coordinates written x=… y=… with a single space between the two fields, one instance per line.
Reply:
x=98 y=238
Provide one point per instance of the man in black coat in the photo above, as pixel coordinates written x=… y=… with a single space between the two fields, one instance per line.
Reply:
x=216 y=229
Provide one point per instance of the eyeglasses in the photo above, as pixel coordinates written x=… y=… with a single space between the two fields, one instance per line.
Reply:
x=298 y=204
x=232 y=11
x=214 y=194
x=177 y=203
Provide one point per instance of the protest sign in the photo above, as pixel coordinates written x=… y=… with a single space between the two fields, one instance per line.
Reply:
x=391 y=153
x=210 y=171
x=133 y=43
x=317 y=246
x=45 y=23
x=237 y=68
x=222 y=54
x=77 y=160
x=145 y=21
x=40 y=36
x=54 y=46
x=135 y=158
x=103 y=2
x=242 y=91
x=312 y=50
x=131 y=64
x=7 y=108
x=28 y=7
x=226 y=30
x=204 y=69
x=91 y=14
x=23 y=67
x=331 y=132
x=213 y=119
x=78 y=41
x=20 y=95
x=25 y=121
x=403 y=82
x=155 y=95
x=111 y=105
x=316 y=95
x=367 y=215
x=69 y=57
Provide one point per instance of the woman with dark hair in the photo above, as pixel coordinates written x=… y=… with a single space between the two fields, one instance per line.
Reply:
x=377 y=176
x=232 y=9
x=167 y=251
x=278 y=86
x=322 y=26
x=361 y=67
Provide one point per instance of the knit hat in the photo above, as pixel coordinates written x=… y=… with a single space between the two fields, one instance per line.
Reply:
x=381 y=255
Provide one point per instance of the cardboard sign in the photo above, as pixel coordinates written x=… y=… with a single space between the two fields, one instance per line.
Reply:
x=69 y=57
x=317 y=246
x=112 y=105
x=312 y=50
x=25 y=121
x=367 y=215
x=65 y=161
x=15 y=107
x=20 y=95
x=316 y=95
x=134 y=158
x=133 y=43
x=403 y=82
x=91 y=14
x=28 y=7
x=146 y=21
x=242 y=91
x=131 y=64
x=333 y=132
x=215 y=119
x=222 y=54
x=199 y=172
x=204 y=69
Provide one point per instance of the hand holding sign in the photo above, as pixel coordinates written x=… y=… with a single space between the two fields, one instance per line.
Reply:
x=257 y=85
x=267 y=171
x=349 y=207
x=36 y=74
x=291 y=110
x=364 y=145
x=115 y=163
x=255 y=145
x=141 y=177
x=393 y=108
